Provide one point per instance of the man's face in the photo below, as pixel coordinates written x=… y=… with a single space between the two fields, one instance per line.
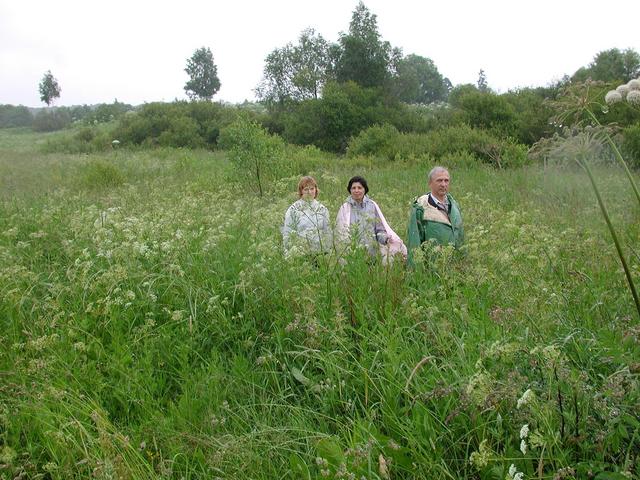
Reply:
x=439 y=184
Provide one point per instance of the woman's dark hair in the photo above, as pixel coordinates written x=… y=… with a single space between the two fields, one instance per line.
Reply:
x=361 y=181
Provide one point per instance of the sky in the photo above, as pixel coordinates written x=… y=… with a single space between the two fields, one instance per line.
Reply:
x=135 y=51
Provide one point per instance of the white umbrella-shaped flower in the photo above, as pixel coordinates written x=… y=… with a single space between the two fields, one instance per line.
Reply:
x=613 y=96
x=623 y=90
x=633 y=97
x=634 y=84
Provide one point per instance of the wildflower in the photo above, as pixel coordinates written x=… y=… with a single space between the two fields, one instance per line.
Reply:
x=481 y=458
x=613 y=96
x=622 y=90
x=523 y=446
x=526 y=398
x=633 y=97
x=524 y=431
x=514 y=474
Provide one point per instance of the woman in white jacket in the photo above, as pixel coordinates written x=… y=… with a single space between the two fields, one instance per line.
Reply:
x=306 y=224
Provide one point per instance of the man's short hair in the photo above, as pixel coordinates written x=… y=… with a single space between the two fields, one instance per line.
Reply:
x=435 y=170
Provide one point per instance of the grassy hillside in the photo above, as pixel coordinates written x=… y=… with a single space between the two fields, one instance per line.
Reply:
x=150 y=327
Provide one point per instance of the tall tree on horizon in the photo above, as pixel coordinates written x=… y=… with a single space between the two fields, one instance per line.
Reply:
x=363 y=57
x=417 y=80
x=49 y=88
x=296 y=72
x=204 y=82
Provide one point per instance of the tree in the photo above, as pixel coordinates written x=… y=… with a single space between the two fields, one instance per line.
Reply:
x=483 y=86
x=49 y=88
x=255 y=155
x=417 y=80
x=296 y=72
x=611 y=65
x=203 y=73
x=362 y=56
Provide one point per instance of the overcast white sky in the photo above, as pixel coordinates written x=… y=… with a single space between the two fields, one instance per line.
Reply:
x=136 y=50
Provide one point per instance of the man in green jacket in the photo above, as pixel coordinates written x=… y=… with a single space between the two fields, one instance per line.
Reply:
x=436 y=216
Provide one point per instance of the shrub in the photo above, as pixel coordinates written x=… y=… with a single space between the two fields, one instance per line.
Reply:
x=101 y=174
x=379 y=141
x=255 y=155
x=15 y=116
x=481 y=144
x=177 y=124
x=342 y=112
x=50 y=120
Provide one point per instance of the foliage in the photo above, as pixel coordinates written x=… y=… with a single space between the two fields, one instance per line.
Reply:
x=107 y=112
x=611 y=65
x=256 y=155
x=86 y=139
x=458 y=92
x=295 y=72
x=532 y=113
x=15 y=116
x=437 y=144
x=483 y=86
x=153 y=329
x=49 y=120
x=363 y=57
x=417 y=80
x=330 y=121
x=488 y=111
x=49 y=88
x=203 y=80
x=179 y=124
x=378 y=140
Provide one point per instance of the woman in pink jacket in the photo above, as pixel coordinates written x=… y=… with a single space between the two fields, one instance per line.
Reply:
x=361 y=220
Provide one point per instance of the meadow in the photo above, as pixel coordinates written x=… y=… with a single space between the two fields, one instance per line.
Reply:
x=151 y=328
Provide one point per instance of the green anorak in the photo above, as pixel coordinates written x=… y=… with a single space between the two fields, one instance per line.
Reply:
x=427 y=223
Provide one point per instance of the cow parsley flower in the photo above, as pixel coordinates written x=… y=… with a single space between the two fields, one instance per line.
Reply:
x=524 y=431
x=613 y=96
x=526 y=398
x=523 y=446
x=514 y=474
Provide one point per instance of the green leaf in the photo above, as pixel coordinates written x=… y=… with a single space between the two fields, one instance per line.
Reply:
x=299 y=468
x=298 y=375
x=330 y=449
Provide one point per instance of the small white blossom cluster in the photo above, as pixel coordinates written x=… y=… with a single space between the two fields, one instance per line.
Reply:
x=524 y=433
x=629 y=91
x=526 y=398
x=514 y=474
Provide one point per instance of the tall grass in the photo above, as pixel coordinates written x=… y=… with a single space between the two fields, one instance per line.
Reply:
x=150 y=328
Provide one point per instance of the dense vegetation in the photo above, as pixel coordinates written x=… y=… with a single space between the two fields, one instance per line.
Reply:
x=152 y=329
x=150 y=326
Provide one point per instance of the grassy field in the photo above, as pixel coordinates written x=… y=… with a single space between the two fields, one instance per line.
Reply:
x=150 y=327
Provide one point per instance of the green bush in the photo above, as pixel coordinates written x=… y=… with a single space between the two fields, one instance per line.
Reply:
x=256 y=155
x=343 y=111
x=50 y=120
x=481 y=144
x=378 y=141
x=177 y=124
x=83 y=140
x=15 y=116
x=101 y=174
